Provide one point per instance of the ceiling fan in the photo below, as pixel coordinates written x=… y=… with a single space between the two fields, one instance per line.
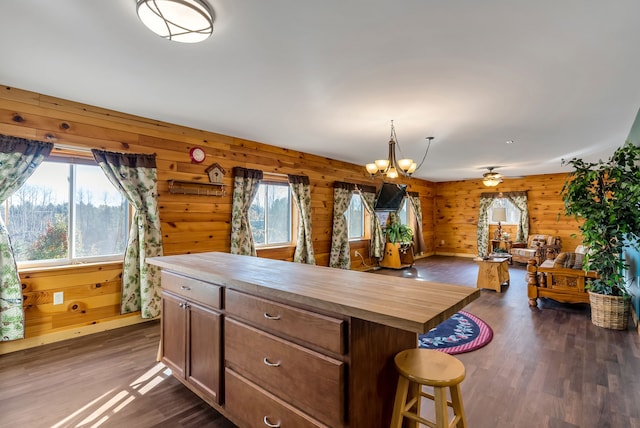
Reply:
x=491 y=178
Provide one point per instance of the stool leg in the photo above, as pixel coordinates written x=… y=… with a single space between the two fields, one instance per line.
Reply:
x=442 y=412
x=416 y=391
x=458 y=408
x=400 y=401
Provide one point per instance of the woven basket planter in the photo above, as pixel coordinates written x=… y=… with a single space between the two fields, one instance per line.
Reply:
x=610 y=311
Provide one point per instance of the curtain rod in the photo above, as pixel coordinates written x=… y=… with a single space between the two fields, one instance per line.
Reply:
x=275 y=174
x=71 y=148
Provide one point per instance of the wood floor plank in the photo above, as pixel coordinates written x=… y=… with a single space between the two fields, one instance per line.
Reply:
x=545 y=367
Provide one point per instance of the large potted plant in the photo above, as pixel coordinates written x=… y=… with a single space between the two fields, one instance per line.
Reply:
x=398 y=251
x=605 y=197
x=397 y=232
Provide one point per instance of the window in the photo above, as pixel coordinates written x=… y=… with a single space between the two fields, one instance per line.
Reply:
x=403 y=213
x=270 y=215
x=355 y=217
x=67 y=213
x=513 y=213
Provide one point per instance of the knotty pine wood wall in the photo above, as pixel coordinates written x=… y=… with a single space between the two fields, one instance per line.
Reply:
x=457 y=204
x=190 y=224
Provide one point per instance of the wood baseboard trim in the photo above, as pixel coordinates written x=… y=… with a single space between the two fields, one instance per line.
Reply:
x=442 y=253
x=32 y=342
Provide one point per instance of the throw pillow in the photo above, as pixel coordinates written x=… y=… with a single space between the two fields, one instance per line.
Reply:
x=569 y=261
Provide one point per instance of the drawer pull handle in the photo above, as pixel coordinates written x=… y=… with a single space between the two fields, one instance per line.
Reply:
x=270 y=364
x=269 y=424
x=271 y=317
x=185 y=288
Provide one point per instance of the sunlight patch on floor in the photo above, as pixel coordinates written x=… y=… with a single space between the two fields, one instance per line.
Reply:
x=97 y=412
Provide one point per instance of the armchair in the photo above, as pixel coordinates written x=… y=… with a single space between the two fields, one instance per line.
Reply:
x=539 y=247
x=562 y=279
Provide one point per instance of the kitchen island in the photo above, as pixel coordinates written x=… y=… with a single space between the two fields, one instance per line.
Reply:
x=275 y=343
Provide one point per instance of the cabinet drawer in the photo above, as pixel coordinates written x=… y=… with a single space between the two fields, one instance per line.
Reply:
x=255 y=407
x=307 y=379
x=323 y=331
x=193 y=289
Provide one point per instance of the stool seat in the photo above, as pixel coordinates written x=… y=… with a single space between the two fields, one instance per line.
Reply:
x=429 y=367
x=426 y=367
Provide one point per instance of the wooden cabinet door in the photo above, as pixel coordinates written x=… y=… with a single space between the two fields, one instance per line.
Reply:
x=174 y=333
x=205 y=351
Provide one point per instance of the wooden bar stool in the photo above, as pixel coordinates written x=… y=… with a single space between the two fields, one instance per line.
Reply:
x=418 y=367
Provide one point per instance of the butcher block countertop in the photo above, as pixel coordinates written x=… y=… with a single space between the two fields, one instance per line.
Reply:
x=407 y=304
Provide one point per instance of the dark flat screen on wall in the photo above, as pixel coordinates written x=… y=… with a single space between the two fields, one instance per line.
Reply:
x=390 y=197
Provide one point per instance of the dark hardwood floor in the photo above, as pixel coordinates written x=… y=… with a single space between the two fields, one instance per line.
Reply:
x=546 y=367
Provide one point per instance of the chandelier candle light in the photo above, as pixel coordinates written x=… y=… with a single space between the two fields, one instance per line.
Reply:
x=392 y=167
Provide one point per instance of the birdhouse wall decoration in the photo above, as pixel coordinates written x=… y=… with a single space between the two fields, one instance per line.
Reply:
x=215 y=173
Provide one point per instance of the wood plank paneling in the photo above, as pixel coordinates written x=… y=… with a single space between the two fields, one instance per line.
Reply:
x=457 y=204
x=190 y=224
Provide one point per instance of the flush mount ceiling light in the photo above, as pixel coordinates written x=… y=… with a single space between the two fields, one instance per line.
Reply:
x=491 y=179
x=186 y=21
x=392 y=167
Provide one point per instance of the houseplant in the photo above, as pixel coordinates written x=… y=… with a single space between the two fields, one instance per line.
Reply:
x=397 y=232
x=605 y=197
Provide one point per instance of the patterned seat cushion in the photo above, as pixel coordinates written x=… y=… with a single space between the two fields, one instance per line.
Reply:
x=523 y=252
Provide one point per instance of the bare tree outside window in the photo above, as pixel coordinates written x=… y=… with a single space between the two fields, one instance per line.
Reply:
x=67 y=213
x=270 y=215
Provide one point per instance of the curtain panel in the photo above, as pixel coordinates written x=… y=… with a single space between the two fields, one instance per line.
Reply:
x=301 y=191
x=19 y=158
x=135 y=177
x=418 y=239
x=519 y=199
x=368 y=196
x=245 y=188
x=340 y=253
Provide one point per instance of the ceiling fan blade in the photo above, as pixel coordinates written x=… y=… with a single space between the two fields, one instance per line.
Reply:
x=634 y=134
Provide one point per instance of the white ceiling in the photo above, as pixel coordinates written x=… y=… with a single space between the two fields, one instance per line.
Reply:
x=558 y=77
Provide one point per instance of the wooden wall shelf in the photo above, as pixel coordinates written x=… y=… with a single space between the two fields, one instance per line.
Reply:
x=196 y=188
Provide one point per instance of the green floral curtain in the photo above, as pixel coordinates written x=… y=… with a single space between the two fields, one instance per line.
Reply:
x=340 y=255
x=19 y=158
x=519 y=199
x=418 y=239
x=483 y=223
x=135 y=177
x=368 y=196
x=301 y=191
x=245 y=187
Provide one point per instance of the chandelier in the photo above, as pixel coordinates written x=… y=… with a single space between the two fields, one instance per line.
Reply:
x=491 y=179
x=186 y=21
x=392 y=167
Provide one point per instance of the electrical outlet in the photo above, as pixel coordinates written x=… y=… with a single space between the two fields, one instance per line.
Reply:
x=357 y=254
x=442 y=242
x=58 y=298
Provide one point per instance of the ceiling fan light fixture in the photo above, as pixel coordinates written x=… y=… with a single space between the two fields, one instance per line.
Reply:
x=392 y=167
x=185 y=21
x=491 y=179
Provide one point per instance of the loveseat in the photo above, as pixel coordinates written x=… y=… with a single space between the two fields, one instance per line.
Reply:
x=562 y=279
x=540 y=247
